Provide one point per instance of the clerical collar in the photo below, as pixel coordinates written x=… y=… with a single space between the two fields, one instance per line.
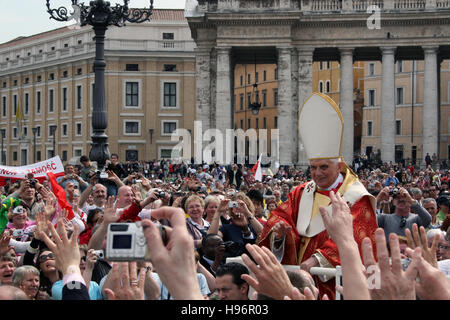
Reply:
x=339 y=180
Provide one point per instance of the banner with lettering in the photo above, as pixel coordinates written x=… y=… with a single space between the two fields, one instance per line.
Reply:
x=39 y=170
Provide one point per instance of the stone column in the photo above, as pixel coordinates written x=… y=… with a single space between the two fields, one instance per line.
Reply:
x=223 y=91
x=294 y=102
x=305 y=63
x=430 y=102
x=286 y=135
x=203 y=80
x=388 y=105
x=346 y=103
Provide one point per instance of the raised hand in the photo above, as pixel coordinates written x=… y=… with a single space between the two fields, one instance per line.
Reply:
x=281 y=229
x=41 y=224
x=50 y=207
x=175 y=262
x=395 y=284
x=271 y=278
x=414 y=241
x=65 y=251
x=4 y=242
x=125 y=285
x=339 y=225
x=110 y=214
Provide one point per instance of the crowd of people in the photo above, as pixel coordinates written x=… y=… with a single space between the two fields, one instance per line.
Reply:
x=224 y=232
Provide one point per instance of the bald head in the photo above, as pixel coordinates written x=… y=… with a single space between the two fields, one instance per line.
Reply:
x=124 y=197
x=12 y=293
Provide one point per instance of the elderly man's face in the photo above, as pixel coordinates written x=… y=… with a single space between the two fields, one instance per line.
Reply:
x=324 y=172
x=124 y=197
x=430 y=207
x=99 y=192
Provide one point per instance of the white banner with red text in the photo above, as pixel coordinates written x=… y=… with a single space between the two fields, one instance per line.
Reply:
x=38 y=170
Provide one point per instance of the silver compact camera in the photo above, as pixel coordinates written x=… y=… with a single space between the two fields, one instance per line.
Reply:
x=233 y=204
x=100 y=255
x=18 y=233
x=126 y=242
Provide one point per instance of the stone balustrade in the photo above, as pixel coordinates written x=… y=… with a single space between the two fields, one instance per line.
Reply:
x=319 y=6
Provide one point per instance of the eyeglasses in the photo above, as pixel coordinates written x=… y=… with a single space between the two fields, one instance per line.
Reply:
x=402 y=222
x=83 y=258
x=441 y=246
x=45 y=257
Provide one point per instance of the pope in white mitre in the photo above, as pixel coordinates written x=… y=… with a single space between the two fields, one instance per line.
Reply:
x=295 y=231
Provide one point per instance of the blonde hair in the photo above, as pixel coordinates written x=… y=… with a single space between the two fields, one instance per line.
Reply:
x=193 y=198
x=242 y=196
x=210 y=199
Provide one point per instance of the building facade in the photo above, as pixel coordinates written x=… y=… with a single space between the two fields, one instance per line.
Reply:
x=46 y=82
x=296 y=33
x=411 y=119
x=326 y=78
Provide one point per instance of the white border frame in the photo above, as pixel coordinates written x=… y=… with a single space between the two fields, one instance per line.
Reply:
x=62 y=135
x=403 y=96
x=20 y=157
x=76 y=97
x=368 y=69
x=76 y=129
x=4 y=96
x=14 y=107
x=162 y=127
x=29 y=102
x=62 y=99
x=48 y=100
x=374 y=97
x=367 y=128
x=139 y=127
x=401 y=127
x=36 y=102
x=124 y=93
x=177 y=88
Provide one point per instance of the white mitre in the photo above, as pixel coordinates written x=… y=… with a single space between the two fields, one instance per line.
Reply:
x=321 y=127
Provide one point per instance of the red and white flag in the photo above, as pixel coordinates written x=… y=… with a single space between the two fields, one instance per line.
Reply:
x=257 y=171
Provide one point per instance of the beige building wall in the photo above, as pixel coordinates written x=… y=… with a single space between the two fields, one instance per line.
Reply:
x=163 y=52
x=408 y=109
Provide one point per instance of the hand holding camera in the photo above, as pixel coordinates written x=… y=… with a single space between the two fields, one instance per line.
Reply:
x=174 y=261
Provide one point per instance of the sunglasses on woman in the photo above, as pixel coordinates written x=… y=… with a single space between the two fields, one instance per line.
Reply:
x=45 y=257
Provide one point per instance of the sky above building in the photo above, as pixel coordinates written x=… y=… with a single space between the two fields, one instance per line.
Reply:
x=28 y=17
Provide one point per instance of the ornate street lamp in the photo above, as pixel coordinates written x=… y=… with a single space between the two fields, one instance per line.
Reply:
x=100 y=15
x=255 y=105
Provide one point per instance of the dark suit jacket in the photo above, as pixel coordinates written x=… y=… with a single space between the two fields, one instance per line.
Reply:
x=230 y=174
x=75 y=291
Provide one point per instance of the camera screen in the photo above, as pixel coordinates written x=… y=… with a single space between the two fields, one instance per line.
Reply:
x=122 y=241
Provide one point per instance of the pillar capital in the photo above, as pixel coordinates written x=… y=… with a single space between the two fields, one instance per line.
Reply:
x=388 y=50
x=346 y=51
x=284 y=49
x=223 y=50
x=430 y=49
x=305 y=51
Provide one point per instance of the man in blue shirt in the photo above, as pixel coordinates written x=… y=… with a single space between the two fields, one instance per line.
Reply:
x=391 y=178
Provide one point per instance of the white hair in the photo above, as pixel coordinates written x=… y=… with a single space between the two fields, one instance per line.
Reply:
x=433 y=232
x=19 y=274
